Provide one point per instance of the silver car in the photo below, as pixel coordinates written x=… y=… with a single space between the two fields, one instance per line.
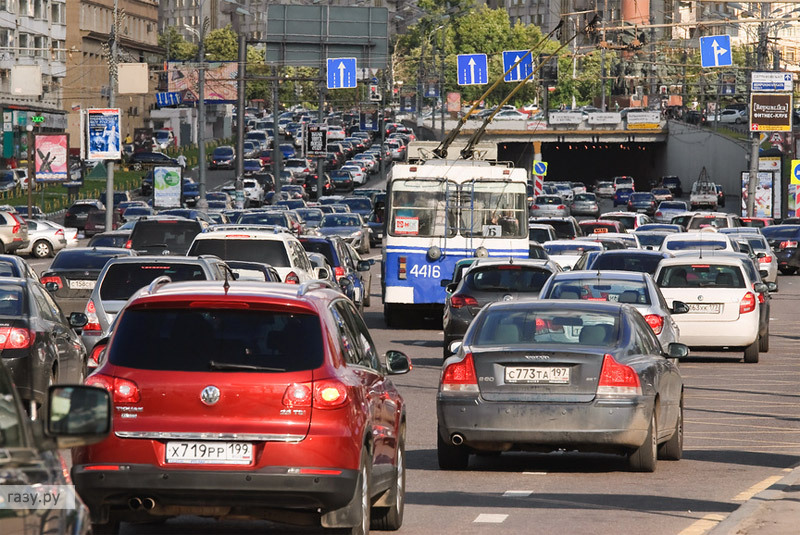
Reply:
x=767 y=260
x=585 y=204
x=668 y=209
x=549 y=206
x=45 y=239
x=634 y=288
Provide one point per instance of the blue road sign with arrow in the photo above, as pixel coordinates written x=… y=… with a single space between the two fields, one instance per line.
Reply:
x=473 y=69
x=341 y=73
x=522 y=70
x=715 y=51
x=539 y=168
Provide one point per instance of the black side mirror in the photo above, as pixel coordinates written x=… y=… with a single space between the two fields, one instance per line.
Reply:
x=450 y=288
x=346 y=285
x=772 y=287
x=445 y=282
x=78 y=415
x=764 y=273
x=760 y=287
x=77 y=319
x=363 y=265
x=51 y=286
x=397 y=362
x=761 y=255
x=677 y=351
x=679 y=307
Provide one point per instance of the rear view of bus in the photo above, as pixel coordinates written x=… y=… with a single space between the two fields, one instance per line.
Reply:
x=440 y=212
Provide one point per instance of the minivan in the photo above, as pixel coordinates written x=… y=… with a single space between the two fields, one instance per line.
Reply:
x=164 y=235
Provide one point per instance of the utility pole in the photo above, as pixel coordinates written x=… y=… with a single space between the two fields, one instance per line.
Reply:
x=321 y=159
x=276 y=137
x=240 y=105
x=755 y=140
x=112 y=85
x=442 y=75
x=419 y=82
x=202 y=203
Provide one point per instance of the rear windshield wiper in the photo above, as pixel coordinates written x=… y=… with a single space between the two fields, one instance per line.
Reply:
x=153 y=245
x=214 y=365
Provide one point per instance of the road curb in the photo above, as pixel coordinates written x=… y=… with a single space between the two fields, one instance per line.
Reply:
x=755 y=509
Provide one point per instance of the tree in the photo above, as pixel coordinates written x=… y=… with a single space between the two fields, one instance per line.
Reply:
x=221 y=45
x=177 y=48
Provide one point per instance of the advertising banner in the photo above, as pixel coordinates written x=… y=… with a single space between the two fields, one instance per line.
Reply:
x=764 y=200
x=102 y=133
x=453 y=102
x=51 y=162
x=771 y=112
x=167 y=186
x=220 y=83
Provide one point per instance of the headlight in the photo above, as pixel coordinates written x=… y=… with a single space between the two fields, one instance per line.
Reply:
x=356 y=234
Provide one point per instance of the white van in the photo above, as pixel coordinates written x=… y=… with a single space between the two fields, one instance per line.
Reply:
x=623 y=182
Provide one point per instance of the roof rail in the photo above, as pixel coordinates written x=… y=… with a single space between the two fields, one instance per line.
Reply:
x=314 y=285
x=274 y=228
x=158 y=283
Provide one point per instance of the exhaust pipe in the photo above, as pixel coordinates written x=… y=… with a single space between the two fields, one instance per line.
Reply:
x=135 y=503
x=149 y=504
x=457 y=439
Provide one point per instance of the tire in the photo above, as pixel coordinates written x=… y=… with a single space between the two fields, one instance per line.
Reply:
x=672 y=450
x=391 y=518
x=367 y=298
x=450 y=457
x=788 y=270
x=751 y=353
x=2 y=248
x=363 y=495
x=391 y=316
x=42 y=249
x=763 y=342
x=645 y=458
x=137 y=167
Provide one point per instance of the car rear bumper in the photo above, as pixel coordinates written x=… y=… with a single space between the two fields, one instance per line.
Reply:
x=277 y=487
x=597 y=425
x=695 y=332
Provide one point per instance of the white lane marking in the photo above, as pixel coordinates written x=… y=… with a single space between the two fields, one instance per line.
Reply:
x=755 y=489
x=490 y=518
x=517 y=493
x=534 y=473
x=703 y=525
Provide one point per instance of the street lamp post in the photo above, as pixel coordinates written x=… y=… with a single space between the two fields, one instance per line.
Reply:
x=202 y=203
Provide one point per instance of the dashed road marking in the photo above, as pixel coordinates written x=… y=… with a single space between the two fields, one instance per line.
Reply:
x=487 y=518
x=534 y=473
x=703 y=525
x=755 y=489
x=517 y=493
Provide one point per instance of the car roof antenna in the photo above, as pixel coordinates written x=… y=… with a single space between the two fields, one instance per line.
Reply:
x=226 y=285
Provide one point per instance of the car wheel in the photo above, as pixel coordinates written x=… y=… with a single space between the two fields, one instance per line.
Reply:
x=137 y=167
x=450 y=456
x=391 y=316
x=787 y=270
x=672 y=450
x=42 y=249
x=363 y=496
x=645 y=457
x=763 y=342
x=366 y=298
x=391 y=518
x=751 y=353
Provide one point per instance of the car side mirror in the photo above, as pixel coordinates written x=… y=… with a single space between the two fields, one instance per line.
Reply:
x=397 y=362
x=761 y=255
x=764 y=273
x=679 y=307
x=760 y=287
x=772 y=287
x=77 y=320
x=322 y=273
x=51 y=286
x=445 y=282
x=454 y=346
x=450 y=288
x=77 y=415
x=363 y=265
x=677 y=351
x=346 y=285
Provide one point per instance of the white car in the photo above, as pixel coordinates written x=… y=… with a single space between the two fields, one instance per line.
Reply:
x=669 y=209
x=604 y=189
x=732 y=116
x=45 y=239
x=723 y=306
x=630 y=239
x=566 y=252
x=765 y=256
x=707 y=239
x=359 y=176
x=630 y=220
x=253 y=192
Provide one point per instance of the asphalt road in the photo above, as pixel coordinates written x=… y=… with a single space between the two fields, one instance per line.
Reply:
x=742 y=433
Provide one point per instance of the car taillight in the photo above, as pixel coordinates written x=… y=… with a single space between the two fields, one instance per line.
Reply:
x=297 y=395
x=659 y=214
x=534 y=207
x=292 y=278
x=787 y=244
x=765 y=259
x=460 y=376
x=53 y=278
x=122 y=390
x=656 y=322
x=748 y=303
x=94 y=356
x=325 y=394
x=60 y=232
x=458 y=301
x=339 y=272
x=16 y=338
x=93 y=324
x=617 y=379
x=128 y=244
x=561 y=207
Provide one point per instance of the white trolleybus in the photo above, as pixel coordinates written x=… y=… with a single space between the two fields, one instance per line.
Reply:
x=440 y=212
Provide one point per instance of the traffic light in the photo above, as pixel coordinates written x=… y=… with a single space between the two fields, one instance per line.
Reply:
x=373 y=92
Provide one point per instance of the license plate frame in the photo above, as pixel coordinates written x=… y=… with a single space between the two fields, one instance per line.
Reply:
x=81 y=284
x=537 y=375
x=208 y=452
x=705 y=308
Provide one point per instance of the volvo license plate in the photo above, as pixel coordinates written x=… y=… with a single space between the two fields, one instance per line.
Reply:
x=537 y=374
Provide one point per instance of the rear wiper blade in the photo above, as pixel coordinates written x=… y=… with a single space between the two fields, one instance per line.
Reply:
x=214 y=365
x=154 y=245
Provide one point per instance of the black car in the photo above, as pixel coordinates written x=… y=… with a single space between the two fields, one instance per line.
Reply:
x=630 y=260
x=114 y=238
x=39 y=346
x=76 y=415
x=140 y=160
x=164 y=235
x=347 y=270
x=78 y=213
x=222 y=158
x=71 y=277
x=643 y=202
x=784 y=240
x=673 y=184
x=342 y=180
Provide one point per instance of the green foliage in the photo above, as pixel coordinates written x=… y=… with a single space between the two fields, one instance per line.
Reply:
x=176 y=47
x=221 y=45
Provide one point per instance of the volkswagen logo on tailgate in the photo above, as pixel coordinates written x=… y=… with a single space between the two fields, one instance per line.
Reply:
x=209 y=395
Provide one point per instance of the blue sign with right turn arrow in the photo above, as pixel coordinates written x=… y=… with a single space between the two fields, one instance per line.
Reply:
x=715 y=51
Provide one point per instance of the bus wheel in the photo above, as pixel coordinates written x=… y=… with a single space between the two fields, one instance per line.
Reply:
x=391 y=315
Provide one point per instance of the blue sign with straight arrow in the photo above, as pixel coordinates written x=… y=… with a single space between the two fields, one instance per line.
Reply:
x=523 y=69
x=341 y=73
x=473 y=69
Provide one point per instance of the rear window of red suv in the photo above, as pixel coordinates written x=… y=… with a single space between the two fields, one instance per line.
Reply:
x=211 y=339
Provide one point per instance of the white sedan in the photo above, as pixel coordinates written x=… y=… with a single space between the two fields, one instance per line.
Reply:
x=723 y=306
x=359 y=176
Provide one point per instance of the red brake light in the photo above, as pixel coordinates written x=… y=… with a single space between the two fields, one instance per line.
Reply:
x=788 y=243
x=458 y=301
x=93 y=325
x=659 y=214
x=16 y=338
x=656 y=322
x=460 y=376
x=339 y=272
x=128 y=244
x=60 y=232
x=534 y=207
x=292 y=278
x=94 y=356
x=297 y=395
x=560 y=207
x=53 y=278
x=122 y=390
x=618 y=379
x=748 y=303
x=765 y=259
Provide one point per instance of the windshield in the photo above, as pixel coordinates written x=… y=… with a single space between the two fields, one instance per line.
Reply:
x=708 y=221
x=197 y=340
x=358 y=203
x=626 y=221
x=600 y=289
x=548 y=199
x=122 y=280
x=651 y=240
x=507 y=278
x=585 y=197
x=647 y=263
x=501 y=326
x=540 y=234
x=172 y=234
x=424 y=208
x=672 y=206
x=772 y=233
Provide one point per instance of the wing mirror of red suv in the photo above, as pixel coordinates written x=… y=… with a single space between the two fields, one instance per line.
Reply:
x=397 y=362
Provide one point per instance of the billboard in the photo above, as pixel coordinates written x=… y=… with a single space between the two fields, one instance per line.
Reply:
x=764 y=189
x=51 y=159
x=167 y=187
x=220 y=83
x=771 y=112
x=102 y=134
